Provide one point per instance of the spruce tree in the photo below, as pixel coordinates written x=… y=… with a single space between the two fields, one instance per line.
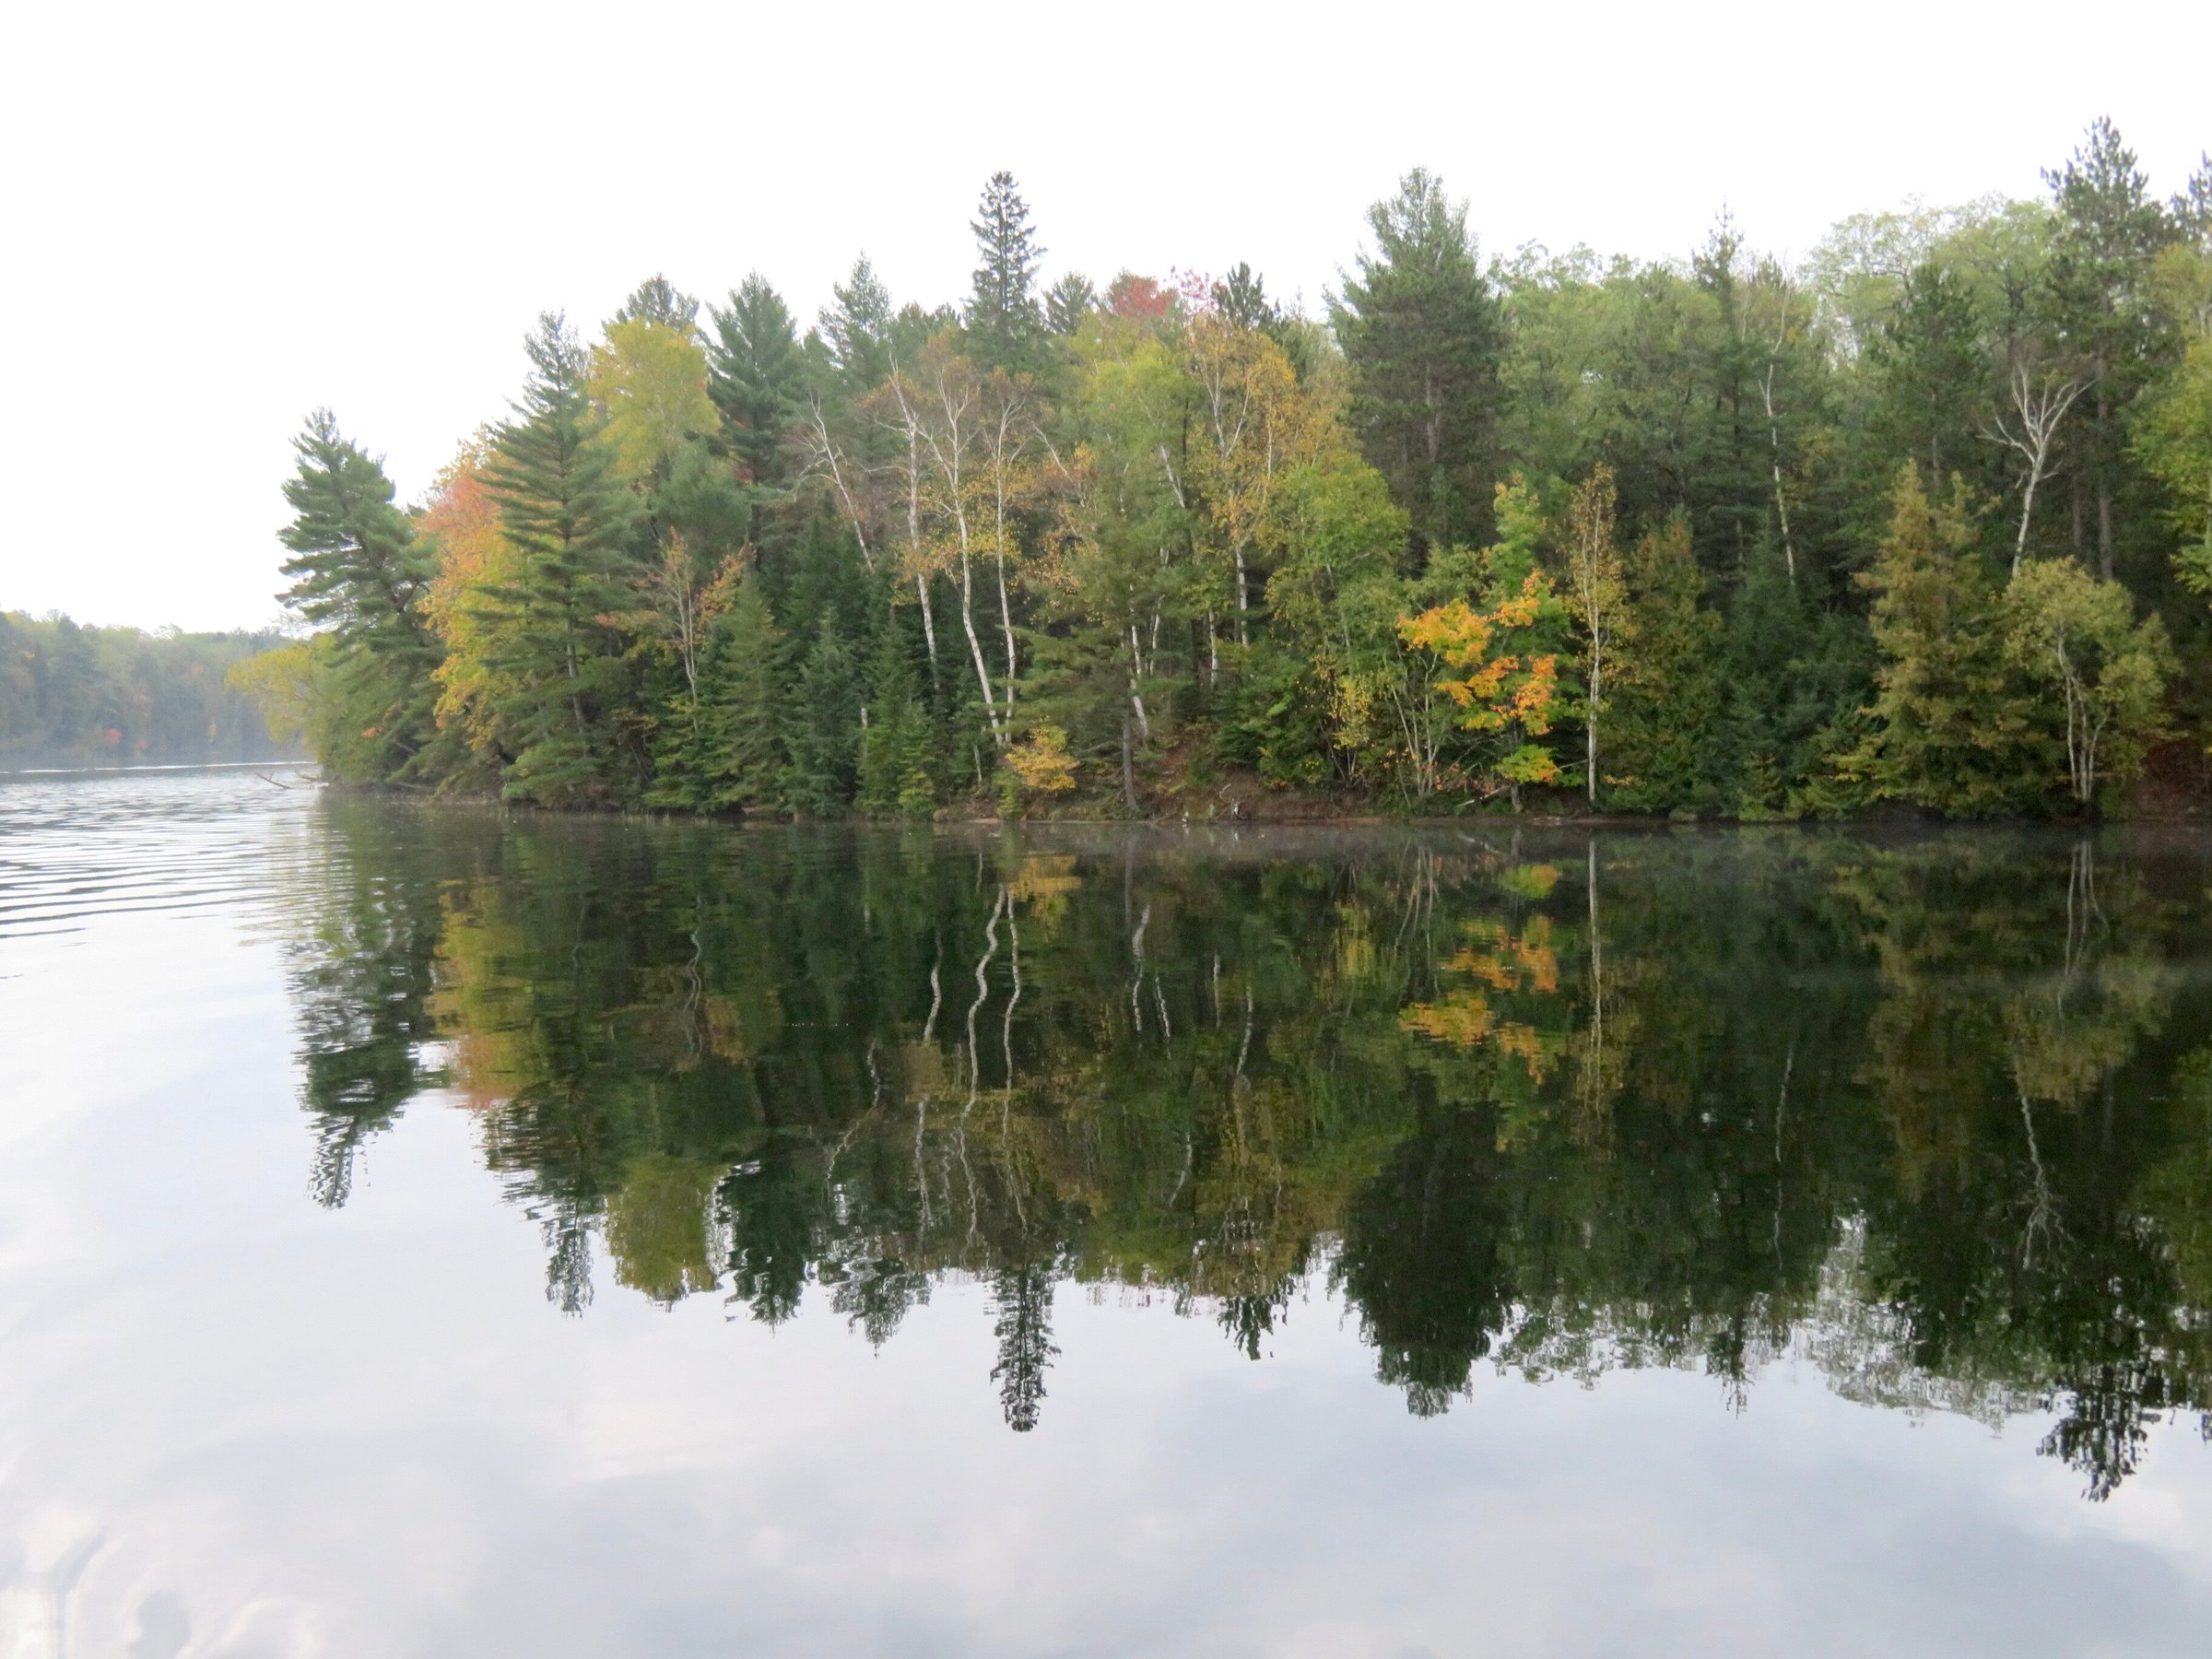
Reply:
x=1004 y=319
x=1422 y=334
x=557 y=671
x=1662 y=705
x=1953 y=727
x=1797 y=676
x=894 y=749
x=826 y=727
x=746 y=715
x=1729 y=453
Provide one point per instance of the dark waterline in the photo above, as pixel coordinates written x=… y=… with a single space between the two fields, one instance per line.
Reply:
x=437 y=1230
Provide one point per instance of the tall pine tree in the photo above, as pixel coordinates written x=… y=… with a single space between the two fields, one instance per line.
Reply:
x=1423 y=334
x=756 y=374
x=358 y=570
x=558 y=674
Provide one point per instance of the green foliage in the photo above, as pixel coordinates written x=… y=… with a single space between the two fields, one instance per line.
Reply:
x=1004 y=319
x=825 y=732
x=895 y=748
x=1953 y=727
x=2079 y=637
x=756 y=376
x=359 y=573
x=747 y=705
x=561 y=663
x=1200 y=534
x=1664 y=707
x=1422 y=337
x=856 y=327
x=76 y=697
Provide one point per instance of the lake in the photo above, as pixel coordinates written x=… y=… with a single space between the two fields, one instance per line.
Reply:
x=429 y=1231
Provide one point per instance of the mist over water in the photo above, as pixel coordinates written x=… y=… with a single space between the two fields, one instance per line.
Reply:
x=433 y=1229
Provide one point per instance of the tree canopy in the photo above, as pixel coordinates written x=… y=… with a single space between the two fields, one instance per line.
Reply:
x=1710 y=534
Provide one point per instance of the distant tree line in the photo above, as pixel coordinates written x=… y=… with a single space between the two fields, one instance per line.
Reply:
x=1927 y=519
x=72 y=696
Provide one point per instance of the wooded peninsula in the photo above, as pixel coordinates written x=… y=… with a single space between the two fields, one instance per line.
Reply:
x=1924 y=519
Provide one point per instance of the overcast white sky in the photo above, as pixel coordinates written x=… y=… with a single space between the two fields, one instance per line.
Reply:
x=214 y=218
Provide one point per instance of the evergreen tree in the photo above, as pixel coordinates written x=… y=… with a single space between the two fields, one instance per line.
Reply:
x=1795 y=675
x=1423 y=334
x=894 y=749
x=358 y=570
x=658 y=301
x=1729 y=454
x=2109 y=230
x=1663 y=706
x=1067 y=302
x=1241 y=297
x=1952 y=727
x=756 y=375
x=1930 y=376
x=747 y=699
x=826 y=727
x=1004 y=319
x=559 y=676
x=857 y=327
x=1022 y=1300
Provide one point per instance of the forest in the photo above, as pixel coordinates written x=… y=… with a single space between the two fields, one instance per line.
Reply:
x=1923 y=520
x=73 y=697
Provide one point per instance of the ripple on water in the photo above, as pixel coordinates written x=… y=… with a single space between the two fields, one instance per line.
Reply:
x=80 y=846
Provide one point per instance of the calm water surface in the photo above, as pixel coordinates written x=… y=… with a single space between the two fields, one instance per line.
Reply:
x=431 y=1232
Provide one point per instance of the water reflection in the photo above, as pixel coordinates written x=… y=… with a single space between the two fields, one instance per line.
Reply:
x=1933 y=1115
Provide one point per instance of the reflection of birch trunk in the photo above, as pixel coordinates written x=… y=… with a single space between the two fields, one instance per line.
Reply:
x=2081 y=903
x=2042 y=1209
x=929 y=1036
x=1136 y=951
x=1006 y=1033
x=982 y=994
x=1597 y=950
x=1782 y=1107
x=1593 y=1052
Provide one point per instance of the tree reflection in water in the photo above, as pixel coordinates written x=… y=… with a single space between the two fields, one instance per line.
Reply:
x=1933 y=1113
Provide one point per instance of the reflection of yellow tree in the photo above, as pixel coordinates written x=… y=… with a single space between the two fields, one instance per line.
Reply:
x=658 y=1227
x=1256 y=1210
x=1600 y=1049
x=1044 y=883
x=1501 y=962
x=479 y=1009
